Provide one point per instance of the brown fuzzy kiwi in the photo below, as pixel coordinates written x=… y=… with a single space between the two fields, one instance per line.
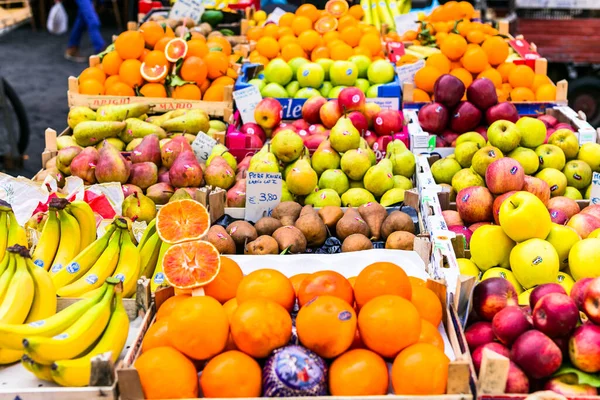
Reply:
x=351 y=223
x=356 y=242
x=267 y=225
x=287 y=212
x=311 y=226
x=241 y=232
x=262 y=245
x=218 y=236
x=331 y=215
x=374 y=214
x=397 y=221
x=400 y=240
x=289 y=237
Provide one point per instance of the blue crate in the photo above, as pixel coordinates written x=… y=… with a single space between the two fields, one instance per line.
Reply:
x=292 y=108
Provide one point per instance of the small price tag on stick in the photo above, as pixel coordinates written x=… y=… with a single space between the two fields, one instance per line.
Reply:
x=263 y=193
x=202 y=146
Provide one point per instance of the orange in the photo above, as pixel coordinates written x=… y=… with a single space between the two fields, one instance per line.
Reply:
x=285 y=31
x=521 y=76
x=268 y=47
x=93 y=73
x=341 y=51
x=345 y=22
x=428 y=304
x=538 y=80
x=91 y=87
x=467 y=9
x=196 y=48
x=351 y=35
x=502 y=95
x=496 y=49
x=221 y=42
x=296 y=281
x=156 y=57
x=329 y=36
x=130 y=45
x=259 y=60
x=267 y=284
x=187 y=92
x=439 y=62
x=352 y=279
x=204 y=87
x=409 y=35
x=259 y=326
x=337 y=8
x=372 y=42
x=156 y=336
x=192 y=264
x=493 y=75
x=546 y=92
x=231 y=374
x=327 y=326
x=301 y=24
x=475 y=60
x=285 y=20
x=130 y=73
x=430 y=334
x=455 y=64
x=358 y=372
x=440 y=37
x=464 y=75
x=165 y=373
x=321 y=52
x=441 y=27
x=362 y=51
x=271 y=30
x=308 y=10
x=169 y=32
x=194 y=69
x=162 y=43
x=464 y=28
x=182 y=220
x=223 y=81
x=388 y=324
x=356 y=11
x=152 y=32
x=325 y=283
x=414 y=281
x=230 y=307
x=454 y=46
x=292 y=50
x=217 y=64
x=421 y=369
x=425 y=78
x=286 y=40
x=119 y=89
x=153 y=90
x=169 y=305
x=111 y=80
x=199 y=327
x=522 y=94
x=144 y=54
x=111 y=63
x=154 y=73
x=309 y=40
x=421 y=96
x=214 y=93
x=224 y=287
x=379 y=279
x=255 y=33
x=475 y=36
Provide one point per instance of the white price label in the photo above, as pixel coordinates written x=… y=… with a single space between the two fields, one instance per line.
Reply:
x=406 y=72
x=202 y=146
x=275 y=15
x=595 y=192
x=246 y=101
x=192 y=9
x=406 y=22
x=263 y=193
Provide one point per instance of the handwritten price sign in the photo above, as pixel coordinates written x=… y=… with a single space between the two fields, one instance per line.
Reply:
x=595 y=193
x=202 y=146
x=263 y=193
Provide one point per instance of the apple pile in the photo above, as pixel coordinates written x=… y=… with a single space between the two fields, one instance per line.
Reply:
x=540 y=337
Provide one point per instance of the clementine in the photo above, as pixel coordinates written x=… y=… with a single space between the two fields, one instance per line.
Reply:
x=231 y=374
x=421 y=369
x=379 y=279
x=267 y=284
x=358 y=372
x=165 y=373
x=325 y=283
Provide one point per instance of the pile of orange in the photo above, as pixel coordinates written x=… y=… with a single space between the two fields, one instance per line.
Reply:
x=138 y=66
x=359 y=324
x=335 y=33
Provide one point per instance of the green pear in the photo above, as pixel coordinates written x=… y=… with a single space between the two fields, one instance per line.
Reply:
x=356 y=197
x=379 y=178
x=136 y=128
x=285 y=193
x=392 y=196
x=263 y=161
x=89 y=133
x=355 y=163
x=159 y=119
x=192 y=121
x=63 y=142
x=334 y=179
x=287 y=145
x=285 y=170
x=365 y=146
x=79 y=114
x=344 y=136
x=402 y=182
x=117 y=143
x=217 y=125
x=302 y=179
x=403 y=163
x=322 y=198
x=357 y=184
x=325 y=157
x=443 y=170
x=121 y=112
x=395 y=146
x=221 y=150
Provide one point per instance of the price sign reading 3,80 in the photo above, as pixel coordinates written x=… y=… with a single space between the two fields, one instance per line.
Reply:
x=263 y=193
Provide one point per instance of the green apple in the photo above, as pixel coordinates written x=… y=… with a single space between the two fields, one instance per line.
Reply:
x=217 y=125
x=590 y=153
x=296 y=63
x=499 y=272
x=490 y=247
x=472 y=137
x=363 y=85
x=325 y=89
x=326 y=64
x=567 y=141
x=464 y=153
x=259 y=83
x=467 y=267
x=484 y=157
x=573 y=193
x=578 y=173
x=556 y=180
x=584 y=259
x=533 y=132
x=335 y=91
x=279 y=71
x=516 y=214
x=588 y=193
x=550 y=156
x=504 y=135
x=362 y=63
x=534 y=262
x=310 y=75
x=443 y=170
x=274 y=90
x=343 y=73
x=292 y=88
x=402 y=182
x=566 y=281
x=562 y=238
x=381 y=72
x=306 y=93
x=527 y=158
x=373 y=92
x=466 y=178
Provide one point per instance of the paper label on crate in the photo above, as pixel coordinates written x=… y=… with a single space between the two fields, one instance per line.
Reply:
x=386 y=103
x=595 y=192
x=523 y=48
x=406 y=72
x=202 y=146
x=406 y=22
x=192 y=9
x=275 y=15
x=263 y=193
x=246 y=101
x=586 y=136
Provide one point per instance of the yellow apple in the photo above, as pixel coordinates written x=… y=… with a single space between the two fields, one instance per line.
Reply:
x=468 y=267
x=565 y=281
x=534 y=262
x=490 y=247
x=584 y=259
x=524 y=216
x=507 y=274
x=524 y=297
x=562 y=238
x=595 y=234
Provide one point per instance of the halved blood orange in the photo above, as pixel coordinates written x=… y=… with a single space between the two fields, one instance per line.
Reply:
x=176 y=49
x=153 y=73
x=191 y=264
x=182 y=221
x=326 y=24
x=337 y=8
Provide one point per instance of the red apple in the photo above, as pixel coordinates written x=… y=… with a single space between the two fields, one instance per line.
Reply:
x=301 y=124
x=351 y=99
x=474 y=204
x=478 y=334
x=380 y=145
x=281 y=127
x=463 y=230
x=593 y=210
x=509 y=324
x=536 y=354
x=312 y=142
x=449 y=136
x=542 y=290
x=330 y=112
x=495 y=347
x=465 y=117
x=583 y=348
x=584 y=224
x=555 y=314
x=492 y=295
x=433 y=118
x=482 y=93
x=267 y=113
x=448 y=90
x=517 y=381
x=251 y=128
x=497 y=203
x=548 y=120
x=359 y=121
x=482 y=130
x=317 y=129
x=591 y=301
x=538 y=187
x=403 y=136
x=568 y=385
x=564 y=125
x=387 y=122
x=474 y=227
x=371 y=138
x=504 y=110
x=303 y=133
x=566 y=204
x=558 y=216
x=452 y=218
x=371 y=110
x=504 y=175
x=578 y=291
x=311 y=108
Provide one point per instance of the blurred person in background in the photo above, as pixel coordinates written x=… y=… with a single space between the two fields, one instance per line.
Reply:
x=87 y=18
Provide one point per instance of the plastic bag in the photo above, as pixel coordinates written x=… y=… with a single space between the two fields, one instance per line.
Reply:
x=58 y=21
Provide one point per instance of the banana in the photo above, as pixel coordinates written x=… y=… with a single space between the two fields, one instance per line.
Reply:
x=375 y=15
x=149 y=255
x=128 y=267
x=7 y=276
x=76 y=338
x=4 y=265
x=19 y=296
x=11 y=336
x=84 y=214
x=158 y=278
x=16 y=233
x=366 y=6
x=76 y=372
x=150 y=230
x=4 y=235
x=70 y=238
x=42 y=372
x=84 y=260
x=44 y=299
x=44 y=252
x=102 y=269
x=8 y=356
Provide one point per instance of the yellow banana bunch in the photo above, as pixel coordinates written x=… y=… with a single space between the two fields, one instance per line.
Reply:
x=158 y=278
x=128 y=266
x=3 y=235
x=149 y=252
x=70 y=236
x=44 y=299
x=18 y=297
x=44 y=252
x=7 y=275
x=42 y=372
x=16 y=233
x=84 y=215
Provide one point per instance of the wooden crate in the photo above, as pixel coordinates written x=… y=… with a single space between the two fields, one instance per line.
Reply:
x=13 y=13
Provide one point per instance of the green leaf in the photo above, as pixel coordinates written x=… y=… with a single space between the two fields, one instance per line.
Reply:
x=187 y=36
x=584 y=378
x=175 y=80
x=286 y=250
x=178 y=65
x=109 y=48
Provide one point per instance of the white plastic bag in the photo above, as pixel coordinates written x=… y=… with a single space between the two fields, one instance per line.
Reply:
x=58 y=21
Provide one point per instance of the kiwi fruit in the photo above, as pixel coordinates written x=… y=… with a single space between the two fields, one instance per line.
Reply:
x=267 y=225
x=374 y=214
x=241 y=232
x=287 y=212
x=400 y=240
x=331 y=215
x=356 y=242
x=351 y=223
x=397 y=221
x=262 y=245
x=289 y=237
x=218 y=236
x=311 y=226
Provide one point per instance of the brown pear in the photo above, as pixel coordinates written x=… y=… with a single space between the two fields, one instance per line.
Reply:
x=143 y=175
x=111 y=165
x=351 y=223
x=262 y=245
x=218 y=236
x=171 y=150
x=236 y=196
x=289 y=237
x=160 y=193
x=331 y=215
x=356 y=242
x=374 y=214
x=397 y=221
x=400 y=240
x=147 y=151
x=311 y=226
x=287 y=212
x=267 y=225
x=241 y=232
